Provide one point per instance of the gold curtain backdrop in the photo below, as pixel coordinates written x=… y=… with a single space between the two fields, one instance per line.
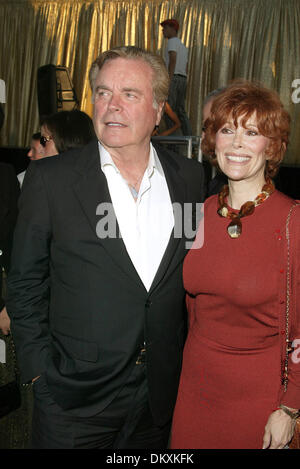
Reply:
x=254 y=39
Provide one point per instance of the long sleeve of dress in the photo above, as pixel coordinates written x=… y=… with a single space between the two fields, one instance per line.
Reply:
x=291 y=397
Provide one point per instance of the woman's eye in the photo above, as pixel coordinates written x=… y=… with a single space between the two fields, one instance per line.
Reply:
x=226 y=130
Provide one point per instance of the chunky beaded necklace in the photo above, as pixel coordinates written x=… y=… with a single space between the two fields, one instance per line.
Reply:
x=235 y=226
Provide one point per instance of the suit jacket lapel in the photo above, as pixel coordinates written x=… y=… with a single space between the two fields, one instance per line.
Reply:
x=175 y=250
x=91 y=190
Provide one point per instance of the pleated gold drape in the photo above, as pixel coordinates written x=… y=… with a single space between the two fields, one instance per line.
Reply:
x=255 y=39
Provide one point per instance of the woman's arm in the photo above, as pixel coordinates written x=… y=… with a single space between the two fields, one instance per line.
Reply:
x=281 y=423
x=173 y=116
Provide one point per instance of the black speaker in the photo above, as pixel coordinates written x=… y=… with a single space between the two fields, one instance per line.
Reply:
x=55 y=90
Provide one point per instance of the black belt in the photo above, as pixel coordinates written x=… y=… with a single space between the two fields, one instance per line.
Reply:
x=178 y=75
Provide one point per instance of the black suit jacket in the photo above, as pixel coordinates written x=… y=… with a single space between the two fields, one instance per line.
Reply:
x=9 y=193
x=79 y=309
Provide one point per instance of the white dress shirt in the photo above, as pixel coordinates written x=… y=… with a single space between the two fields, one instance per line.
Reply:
x=145 y=223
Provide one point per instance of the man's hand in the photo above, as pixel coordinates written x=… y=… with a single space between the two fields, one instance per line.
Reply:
x=4 y=322
x=278 y=431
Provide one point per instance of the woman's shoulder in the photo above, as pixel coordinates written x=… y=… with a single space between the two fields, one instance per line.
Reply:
x=286 y=205
x=284 y=200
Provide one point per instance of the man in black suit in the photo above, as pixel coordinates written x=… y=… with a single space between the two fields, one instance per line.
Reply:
x=96 y=293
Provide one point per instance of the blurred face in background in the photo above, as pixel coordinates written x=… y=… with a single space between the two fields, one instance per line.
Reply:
x=36 y=150
x=168 y=31
x=48 y=142
x=206 y=113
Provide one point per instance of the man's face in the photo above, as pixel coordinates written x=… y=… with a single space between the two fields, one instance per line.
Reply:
x=124 y=114
x=36 y=151
x=168 y=31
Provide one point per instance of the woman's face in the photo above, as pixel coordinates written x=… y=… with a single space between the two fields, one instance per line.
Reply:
x=48 y=142
x=241 y=150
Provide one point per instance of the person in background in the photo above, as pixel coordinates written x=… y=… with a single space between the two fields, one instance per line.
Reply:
x=219 y=179
x=9 y=193
x=95 y=289
x=207 y=104
x=176 y=59
x=35 y=152
x=60 y=132
x=14 y=427
x=176 y=123
x=65 y=130
x=240 y=383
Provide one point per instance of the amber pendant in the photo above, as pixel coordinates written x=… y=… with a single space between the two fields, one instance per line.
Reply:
x=234 y=228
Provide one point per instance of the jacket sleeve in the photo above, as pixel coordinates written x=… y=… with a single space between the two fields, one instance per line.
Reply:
x=28 y=280
x=291 y=397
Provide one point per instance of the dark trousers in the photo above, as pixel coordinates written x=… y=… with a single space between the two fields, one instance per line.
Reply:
x=176 y=99
x=125 y=424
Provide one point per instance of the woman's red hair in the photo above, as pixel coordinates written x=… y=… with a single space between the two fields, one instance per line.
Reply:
x=243 y=98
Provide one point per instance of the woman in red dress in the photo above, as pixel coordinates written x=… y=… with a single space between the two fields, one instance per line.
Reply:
x=231 y=393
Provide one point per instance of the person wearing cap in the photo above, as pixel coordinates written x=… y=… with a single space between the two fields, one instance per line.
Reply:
x=176 y=58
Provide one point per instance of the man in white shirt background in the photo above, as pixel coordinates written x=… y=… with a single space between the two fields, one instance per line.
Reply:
x=176 y=58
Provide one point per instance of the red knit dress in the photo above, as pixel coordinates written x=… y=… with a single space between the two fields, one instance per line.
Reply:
x=231 y=365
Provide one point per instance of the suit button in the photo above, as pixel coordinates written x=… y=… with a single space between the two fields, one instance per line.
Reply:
x=148 y=304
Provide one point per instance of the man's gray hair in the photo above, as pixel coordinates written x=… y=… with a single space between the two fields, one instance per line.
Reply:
x=160 y=76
